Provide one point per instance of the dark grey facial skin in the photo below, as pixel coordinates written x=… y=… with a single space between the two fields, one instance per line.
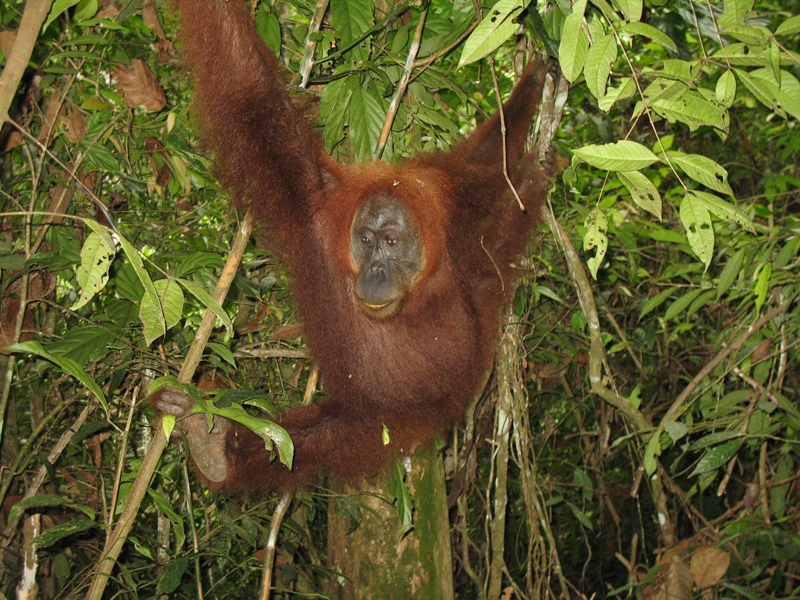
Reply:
x=387 y=252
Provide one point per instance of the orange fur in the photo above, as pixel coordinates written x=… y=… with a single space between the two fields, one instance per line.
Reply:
x=416 y=371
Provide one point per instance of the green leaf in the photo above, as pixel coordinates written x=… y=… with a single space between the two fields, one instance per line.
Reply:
x=498 y=25
x=351 y=19
x=726 y=89
x=749 y=34
x=583 y=482
x=635 y=397
x=656 y=301
x=696 y=219
x=574 y=43
x=763 y=90
x=735 y=12
x=679 y=305
x=366 y=116
x=761 y=287
x=62 y=530
x=642 y=190
x=269 y=27
x=676 y=430
x=717 y=456
x=787 y=252
x=172 y=300
x=580 y=515
x=692 y=109
x=267 y=430
x=625 y=89
x=168 y=425
x=632 y=9
x=596 y=236
x=163 y=505
x=208 y=301
x=59 y=7
x=789 y=27
x=92 y=275
x=648 y=31
x=651 y=452
x=86 y=344
x=150 y=309
x=402 y=497
x=722 y=210
x=624 y=155
x=730 y=272
x=599 y=59
x=85 y=10
x=223 y=352
x=66 y=364
x=196 y=261
x=47 y=501
x=172 y=574
x=703 y=170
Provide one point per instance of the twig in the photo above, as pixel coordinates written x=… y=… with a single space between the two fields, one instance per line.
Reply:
x=187 y=492
x=311 y=45
x=400 y=91
x=272 y=540
x=52 y=457
x=150 y=461
x=596 y=358
x=121 y=462
x=724 y=353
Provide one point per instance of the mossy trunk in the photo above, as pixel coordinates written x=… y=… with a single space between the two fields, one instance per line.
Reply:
x=376 y=561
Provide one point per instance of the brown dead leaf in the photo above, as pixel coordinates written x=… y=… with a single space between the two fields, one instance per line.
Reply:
x=7 y=39
x=14 y=140
x=709 y=566
x=110 y=11
x=75 y=126
x=151 y=20
x=673 y=582
x=138 y=86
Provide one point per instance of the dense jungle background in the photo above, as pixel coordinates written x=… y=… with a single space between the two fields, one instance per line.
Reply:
x=639 y=436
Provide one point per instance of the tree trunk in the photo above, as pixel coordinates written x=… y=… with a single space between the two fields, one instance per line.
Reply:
x=376 y=561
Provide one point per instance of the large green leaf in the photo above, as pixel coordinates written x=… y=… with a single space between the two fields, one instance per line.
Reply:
x=66 y=364
x=574 y=43
x=703 y=170
x=696 y=220
x=624 y=155
x=642 y=190
x=498 y=24
x=599 y=59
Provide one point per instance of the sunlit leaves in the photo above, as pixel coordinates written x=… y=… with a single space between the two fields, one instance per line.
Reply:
x=762 y=285
x=726 y=89
x=65 y=364
x=650 y=32
x=498 y=24
x=696 y=219
x=789 y=27
x=703 y=170
x=723 y=210
x=624 y=155
x=574 y=43
x=596 y=238
x=599 y=59
x=96 y=255
x=642 y=190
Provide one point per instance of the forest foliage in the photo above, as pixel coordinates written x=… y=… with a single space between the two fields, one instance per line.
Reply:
x=651 y=354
